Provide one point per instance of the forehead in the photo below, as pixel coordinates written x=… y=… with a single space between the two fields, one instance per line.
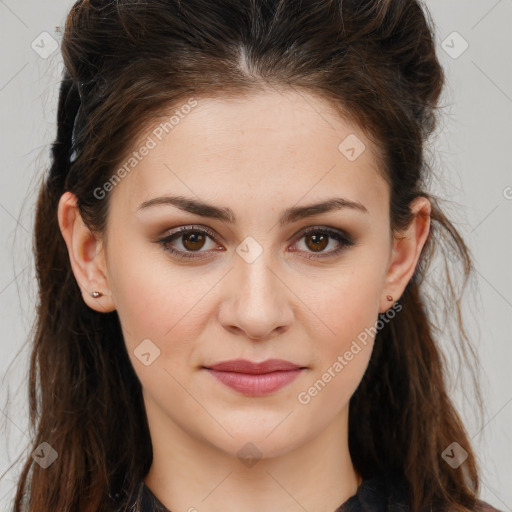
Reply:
x=271 y=146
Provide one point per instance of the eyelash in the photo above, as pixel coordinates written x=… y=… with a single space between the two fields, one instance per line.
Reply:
x=344 y=240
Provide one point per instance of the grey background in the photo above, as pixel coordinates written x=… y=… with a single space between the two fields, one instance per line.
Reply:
x=472 y=154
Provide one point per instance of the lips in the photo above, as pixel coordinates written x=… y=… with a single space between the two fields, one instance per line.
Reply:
x=245 y=366
x=255 y=379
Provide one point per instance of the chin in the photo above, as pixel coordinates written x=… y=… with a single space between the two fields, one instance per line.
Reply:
x=251 y=444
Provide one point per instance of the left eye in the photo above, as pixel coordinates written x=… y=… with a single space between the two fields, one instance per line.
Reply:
x=317 y=240
x=194 y=239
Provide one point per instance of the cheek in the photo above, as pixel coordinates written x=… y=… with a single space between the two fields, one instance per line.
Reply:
x=158 y=300
x=345 y=316
x=346 y=306
x=348 y=316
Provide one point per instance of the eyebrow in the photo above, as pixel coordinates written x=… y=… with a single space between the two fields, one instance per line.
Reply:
x=292 y=214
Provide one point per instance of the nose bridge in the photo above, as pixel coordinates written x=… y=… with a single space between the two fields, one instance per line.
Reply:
x=260 y=300
x=258 y=283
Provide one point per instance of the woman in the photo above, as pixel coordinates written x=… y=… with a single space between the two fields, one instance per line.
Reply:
x=231 y=248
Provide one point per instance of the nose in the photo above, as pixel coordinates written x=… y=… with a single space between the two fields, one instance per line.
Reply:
x=259 y=303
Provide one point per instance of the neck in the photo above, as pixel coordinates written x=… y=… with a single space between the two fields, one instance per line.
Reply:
x=187 y=473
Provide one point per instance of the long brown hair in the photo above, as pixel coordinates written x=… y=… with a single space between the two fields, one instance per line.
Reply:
x=128 y=61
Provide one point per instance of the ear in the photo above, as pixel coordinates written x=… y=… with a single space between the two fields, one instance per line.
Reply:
x=407 y=248
x=86 y=255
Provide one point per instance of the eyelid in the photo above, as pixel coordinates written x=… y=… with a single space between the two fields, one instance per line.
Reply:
x=325 y=229
x=188 y=228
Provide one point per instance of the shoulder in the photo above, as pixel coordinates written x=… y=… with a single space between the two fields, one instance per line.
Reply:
x=389 y=491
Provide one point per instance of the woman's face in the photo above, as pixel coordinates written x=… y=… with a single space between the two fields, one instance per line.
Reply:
x=251 y=287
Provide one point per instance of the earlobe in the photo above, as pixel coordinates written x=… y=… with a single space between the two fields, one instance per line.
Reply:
x=86 y=256
x=406 y=252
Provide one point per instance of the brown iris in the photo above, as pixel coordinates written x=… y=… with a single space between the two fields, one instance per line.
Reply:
x=193 y=241
x=319 y=241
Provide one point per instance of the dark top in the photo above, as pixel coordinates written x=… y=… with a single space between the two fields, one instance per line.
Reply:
x=383 y=493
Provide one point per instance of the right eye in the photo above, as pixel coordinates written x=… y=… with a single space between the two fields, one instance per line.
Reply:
x=193 y=239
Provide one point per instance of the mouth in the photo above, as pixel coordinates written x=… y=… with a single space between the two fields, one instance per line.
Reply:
x=255 y=379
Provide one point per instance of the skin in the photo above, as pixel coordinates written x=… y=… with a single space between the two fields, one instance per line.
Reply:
x=257 y=156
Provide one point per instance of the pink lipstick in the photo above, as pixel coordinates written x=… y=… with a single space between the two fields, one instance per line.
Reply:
x=255 y=379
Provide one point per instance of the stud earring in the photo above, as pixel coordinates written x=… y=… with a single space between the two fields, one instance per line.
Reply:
x=96 y=294
x=389 y=297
